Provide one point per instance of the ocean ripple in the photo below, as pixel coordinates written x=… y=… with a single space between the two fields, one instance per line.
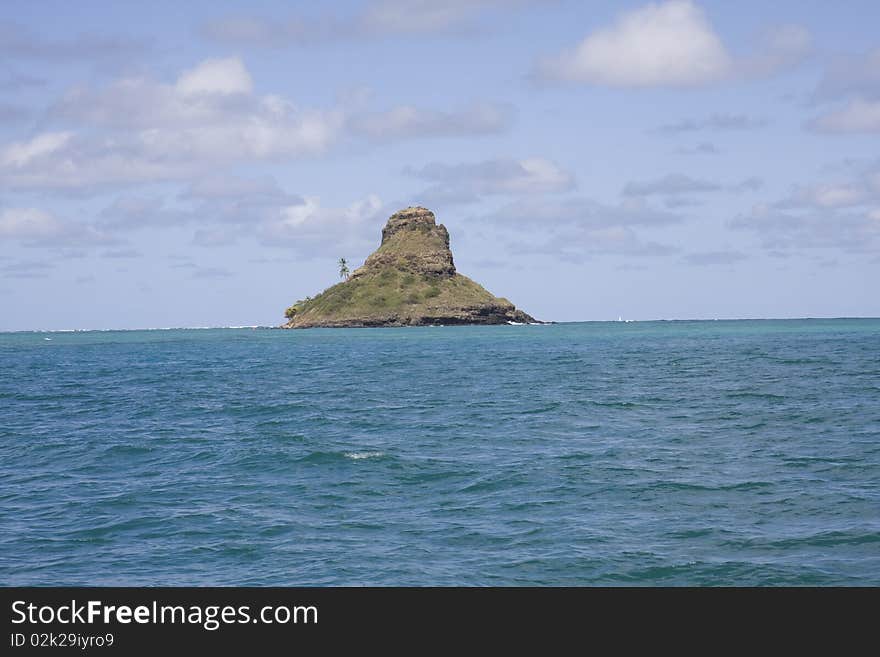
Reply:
x=656 y=453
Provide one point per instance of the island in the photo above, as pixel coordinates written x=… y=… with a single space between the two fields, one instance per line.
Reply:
x=410 y=280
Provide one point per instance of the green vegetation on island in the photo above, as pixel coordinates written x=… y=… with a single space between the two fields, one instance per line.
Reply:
x=410 y=280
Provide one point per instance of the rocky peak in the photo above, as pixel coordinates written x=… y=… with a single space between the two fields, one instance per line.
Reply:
x=411 y=218
x=412 y=241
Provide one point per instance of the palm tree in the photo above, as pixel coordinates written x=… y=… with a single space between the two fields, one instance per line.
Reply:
x=343 y=269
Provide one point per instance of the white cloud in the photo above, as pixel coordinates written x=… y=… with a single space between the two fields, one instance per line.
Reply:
x=140 y=130
x=83 y=162
x=579 y=243
x=850 y=230
x=670 y=43
x=388 y=17
x=703 y=148
x=303 y=218
x=673 y=44
x=137 y=130
x=26 y=269
x=860 y=190
x=673 y=183
x=211 y=237
x=135 y=212
x=857 y=116
x=28 y=223
x=253 y=208
x=781 y=48
x=575 y=229
x=262 y=212
x=216 y=76
x=252 y=31
x=313 y=229
x=583 y=212
x=249 y=191
x=708 y=258
x=20 y=154
x=830 y=196
x=839 y=214
x=750 y=184
x=121 y=254
x=19 y=42
x=35 y=227
x=714 y=122
x=211 y=272
x=202 y=115
x=540 y=175
x=466 y=182
x=854 y=81
x=408 y=121
x=846 y=76
x=378 y=19
x=677 y=183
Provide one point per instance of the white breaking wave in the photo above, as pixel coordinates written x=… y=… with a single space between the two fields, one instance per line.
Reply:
x=364 y=455
x=133 y=330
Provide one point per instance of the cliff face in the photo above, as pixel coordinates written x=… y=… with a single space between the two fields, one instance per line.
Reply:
x=412 y=241
x=410 y=280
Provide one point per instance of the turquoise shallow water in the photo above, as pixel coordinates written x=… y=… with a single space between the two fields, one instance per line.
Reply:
x=741 y=452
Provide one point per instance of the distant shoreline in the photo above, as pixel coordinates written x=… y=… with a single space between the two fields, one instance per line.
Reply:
x=582 y=321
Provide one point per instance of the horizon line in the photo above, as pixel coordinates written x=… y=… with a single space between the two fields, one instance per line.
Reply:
x=576 y=321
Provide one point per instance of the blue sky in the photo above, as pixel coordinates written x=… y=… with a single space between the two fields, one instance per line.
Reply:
x=206 y=163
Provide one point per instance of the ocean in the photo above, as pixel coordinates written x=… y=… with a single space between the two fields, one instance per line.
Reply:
x=598 y=453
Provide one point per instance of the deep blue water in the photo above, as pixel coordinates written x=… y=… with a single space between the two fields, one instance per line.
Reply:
x=705 y=453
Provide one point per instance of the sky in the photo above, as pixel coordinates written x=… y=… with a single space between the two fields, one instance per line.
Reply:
x=171 y=164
